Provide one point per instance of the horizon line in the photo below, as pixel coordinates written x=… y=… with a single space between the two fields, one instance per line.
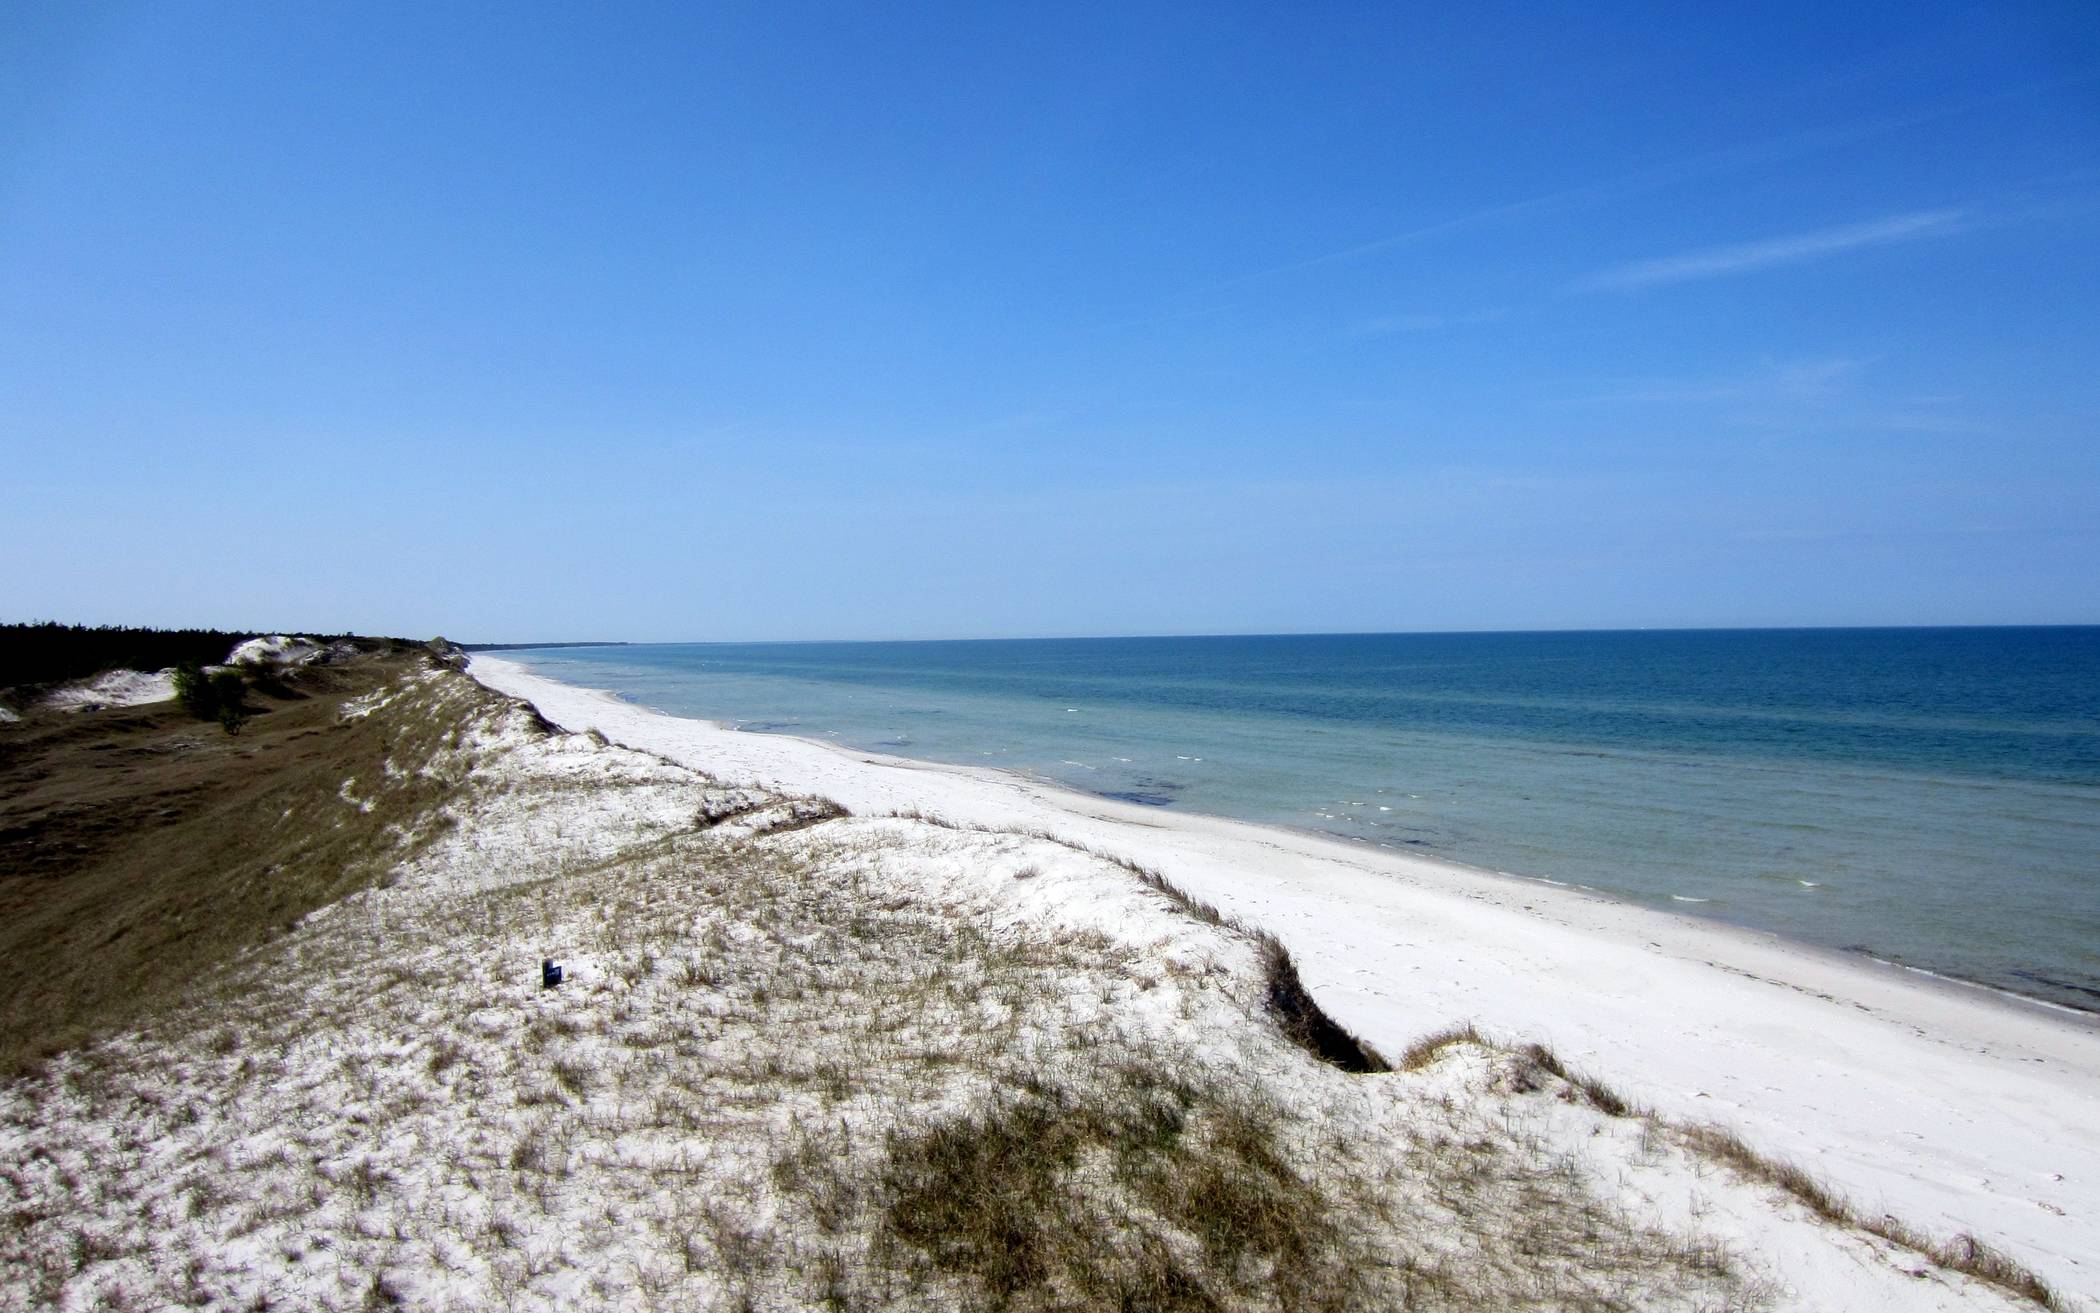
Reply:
x=1296 y=633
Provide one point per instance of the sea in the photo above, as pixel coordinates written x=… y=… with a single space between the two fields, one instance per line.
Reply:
x=1927 y=797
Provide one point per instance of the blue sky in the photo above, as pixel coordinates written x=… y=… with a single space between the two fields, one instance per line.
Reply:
x=691 y=322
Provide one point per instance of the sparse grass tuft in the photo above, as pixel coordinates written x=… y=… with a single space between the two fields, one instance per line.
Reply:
x=1971 y=1257
x=1431 y=1047
x=383 y=1294
x=1180 y=897
x=1532 y=1062
x=574 y=1076
x=1726 y=1146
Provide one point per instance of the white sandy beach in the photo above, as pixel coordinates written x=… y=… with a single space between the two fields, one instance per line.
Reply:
x=1948 y=1106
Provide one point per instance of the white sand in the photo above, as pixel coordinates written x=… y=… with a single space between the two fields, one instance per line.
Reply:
x=1950 y=1107
x=276 y=650
x=115 y=688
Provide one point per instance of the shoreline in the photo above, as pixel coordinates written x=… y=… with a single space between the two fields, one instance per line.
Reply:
x=1052 y=790
x=1953 y=1105
x=1836 y=956
x=1863 y=957
x=1346 y=850
x=1899 y=829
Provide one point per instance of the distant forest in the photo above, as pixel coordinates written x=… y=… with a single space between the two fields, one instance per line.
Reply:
x=47 y=652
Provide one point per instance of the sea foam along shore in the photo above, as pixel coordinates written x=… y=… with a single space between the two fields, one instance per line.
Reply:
x=1951 y=1108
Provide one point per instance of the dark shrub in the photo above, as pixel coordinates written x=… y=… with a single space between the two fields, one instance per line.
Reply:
x=219 y=696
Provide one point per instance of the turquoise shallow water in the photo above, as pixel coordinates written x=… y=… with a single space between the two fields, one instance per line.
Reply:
x=1927 y=796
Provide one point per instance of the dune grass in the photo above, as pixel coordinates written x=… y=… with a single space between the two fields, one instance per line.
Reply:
x=142 y=849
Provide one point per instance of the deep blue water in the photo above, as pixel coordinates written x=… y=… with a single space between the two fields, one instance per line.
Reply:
x=1930 y=796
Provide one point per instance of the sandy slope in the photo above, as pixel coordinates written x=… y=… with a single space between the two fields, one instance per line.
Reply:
x=1953 y=1108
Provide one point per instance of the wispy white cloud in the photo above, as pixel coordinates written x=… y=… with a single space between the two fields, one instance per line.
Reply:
x=1385 y=325
x=1802 y=397
x=1803 y=382
x=1779 y=534
x=1655 y=177
x=1796 y=248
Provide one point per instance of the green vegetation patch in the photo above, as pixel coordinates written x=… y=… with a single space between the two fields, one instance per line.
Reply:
x=1147 y=1191
x=221 y=695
